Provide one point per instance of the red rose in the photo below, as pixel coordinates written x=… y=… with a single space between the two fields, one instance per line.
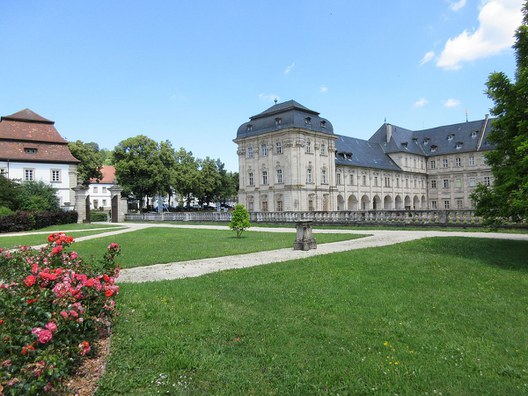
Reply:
x=56 y=250
x=30 y=280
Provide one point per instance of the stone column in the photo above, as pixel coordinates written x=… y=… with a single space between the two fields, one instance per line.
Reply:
x=118 y=210
x=80 y=202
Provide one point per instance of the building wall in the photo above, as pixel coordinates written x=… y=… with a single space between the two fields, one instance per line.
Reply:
x=62 y=177
x=100 y=196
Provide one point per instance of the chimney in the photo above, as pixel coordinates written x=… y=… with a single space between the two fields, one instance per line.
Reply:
x=388 y=128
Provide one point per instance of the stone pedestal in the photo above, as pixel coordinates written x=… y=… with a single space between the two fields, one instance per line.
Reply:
x=81 y=192
x=305 y=240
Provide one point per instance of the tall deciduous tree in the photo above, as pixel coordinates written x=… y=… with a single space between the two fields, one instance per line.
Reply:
x=186 y=175
x=140 y=168
x=210 y=181
x=508 y=197
x=9 y=192
x=91 y=163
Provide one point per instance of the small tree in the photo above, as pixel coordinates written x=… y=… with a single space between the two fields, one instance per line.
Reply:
x=37 y=196
x=240 y=220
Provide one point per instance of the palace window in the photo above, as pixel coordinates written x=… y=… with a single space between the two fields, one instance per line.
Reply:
x=264 y=177
x=474 y=134
x=55 y=176
x=487 y=181
x=278 y=122
x=278 y=148
x=279 y=206
x=264 y=149
x=104 y=190
x=309 y=175
x=432 y=164
x=459 y=203
x=471 y=161
x=433 y=183
x=446 y=204
x=364 y=180
x=323 y=177
x=351 y=180
x=445 y=163
x=376 y=181
x=279 y=176
x=434 y=205
x=264 y=206
x=323 y=149
x=387 y=182
x=446 y=183
x=338 y=178
x=308 y=146
x=472 y=182
x=250 y=152
x=251 y=179
x=95 y=190
x=458 y=162
x=458 y=183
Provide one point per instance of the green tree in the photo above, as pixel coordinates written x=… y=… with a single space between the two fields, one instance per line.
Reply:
x=210 y=181
x=91 y=163
x=37 y=196
x=508 y=197
x=229 y=184
x=140 y=169
x=239 y=220
x=186 y=175
x=9 y=193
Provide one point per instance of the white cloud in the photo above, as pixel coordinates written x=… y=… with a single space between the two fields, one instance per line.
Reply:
x=451 y=103
x=289 y=68
x=421 y=102
x=498 y=20
x=269 y=97
x=456 y=5
x=427 y=57
x=323 y=89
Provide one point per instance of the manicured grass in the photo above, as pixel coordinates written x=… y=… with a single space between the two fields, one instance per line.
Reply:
x=8 y=242
x=436 y=316
x=165 y=245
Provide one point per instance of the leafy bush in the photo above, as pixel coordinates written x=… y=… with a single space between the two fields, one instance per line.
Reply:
x=98 y=216
x=4 y=211
x=25 y=221
x=37 y=196
x=239 y=220
x=52 y=306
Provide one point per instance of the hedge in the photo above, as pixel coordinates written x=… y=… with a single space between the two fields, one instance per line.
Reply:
x=26 y=221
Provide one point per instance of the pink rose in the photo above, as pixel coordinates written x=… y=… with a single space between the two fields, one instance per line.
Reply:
x=51 y=327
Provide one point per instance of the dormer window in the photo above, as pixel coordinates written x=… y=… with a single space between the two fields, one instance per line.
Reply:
x=30 y=150
x=474 y=134
x=308 y=121
x=404 y=145
x=323 y=124
x=433 y=148
x=426 y=141
x=459 y=145
x=249 y=127
x=278 y=122
x=450 y=136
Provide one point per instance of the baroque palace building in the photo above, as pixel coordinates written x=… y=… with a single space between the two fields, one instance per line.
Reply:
x=290 y=159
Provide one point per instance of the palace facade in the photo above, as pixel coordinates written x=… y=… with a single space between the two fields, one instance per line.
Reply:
x=290 y=159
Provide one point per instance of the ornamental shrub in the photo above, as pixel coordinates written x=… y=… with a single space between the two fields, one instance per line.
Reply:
x=25 y=221
x=52 y=307
x=239 y=220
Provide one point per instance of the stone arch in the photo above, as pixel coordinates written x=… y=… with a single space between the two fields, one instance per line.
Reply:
x=416 y=203
x=340 y=202
x=365 y=202
x=352 y=202
x=398 y=202
x=424 y=202
x=376 y=203
x=387 y=202
x=407 y=202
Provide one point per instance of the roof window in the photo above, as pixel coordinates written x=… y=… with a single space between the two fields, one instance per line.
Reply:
x=426 y=141
x=323 y=124
x=308 y=120
x=404 y=145
x=474 y=134
x=278 y=122
x=433 y=148
x=30 y=150
x=450 y=136
x=249 y=127
x=459 y=145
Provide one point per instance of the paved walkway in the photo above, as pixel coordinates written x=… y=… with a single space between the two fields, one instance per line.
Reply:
x=192 y=268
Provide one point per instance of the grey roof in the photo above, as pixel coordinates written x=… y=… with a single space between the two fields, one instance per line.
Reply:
x=446 y=139
x=363 y=153
x=288 y=114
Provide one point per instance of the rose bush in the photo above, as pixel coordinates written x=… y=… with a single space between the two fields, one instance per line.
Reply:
x=52 y=307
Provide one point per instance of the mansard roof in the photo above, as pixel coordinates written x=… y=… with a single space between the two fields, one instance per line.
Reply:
x=447 y=139
x=362 y=153
x=26 y=136
x=290 y=114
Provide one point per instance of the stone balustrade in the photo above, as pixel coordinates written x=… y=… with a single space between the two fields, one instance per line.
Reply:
x=462 y=218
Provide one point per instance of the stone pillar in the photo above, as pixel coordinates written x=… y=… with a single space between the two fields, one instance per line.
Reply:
x=305 y=240
x=119 y=205
x=80 y=202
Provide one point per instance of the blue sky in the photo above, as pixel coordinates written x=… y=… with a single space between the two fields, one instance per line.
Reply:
x=192 y=71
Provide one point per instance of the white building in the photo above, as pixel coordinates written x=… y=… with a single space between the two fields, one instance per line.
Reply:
x=290 y=159
x=31 y=149
x=99 y=191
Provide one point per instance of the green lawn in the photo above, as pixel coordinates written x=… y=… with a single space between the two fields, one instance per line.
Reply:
x=440 y=316
x=165 y=245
